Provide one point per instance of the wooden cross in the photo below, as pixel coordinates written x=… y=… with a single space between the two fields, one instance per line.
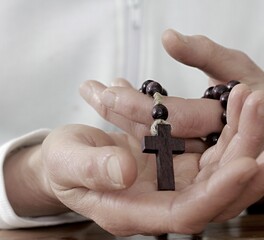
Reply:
x=164 y=146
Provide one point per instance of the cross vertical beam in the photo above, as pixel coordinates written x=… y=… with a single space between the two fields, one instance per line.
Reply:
x=164 y=146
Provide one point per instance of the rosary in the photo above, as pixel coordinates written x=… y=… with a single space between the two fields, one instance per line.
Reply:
x=162 y=143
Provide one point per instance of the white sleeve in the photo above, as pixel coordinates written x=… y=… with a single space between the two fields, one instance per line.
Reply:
x=8 y=218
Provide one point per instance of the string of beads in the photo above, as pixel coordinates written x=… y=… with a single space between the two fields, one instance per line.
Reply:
x=159 y=112
x=219 y=92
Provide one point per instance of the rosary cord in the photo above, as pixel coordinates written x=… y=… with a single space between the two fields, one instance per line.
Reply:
x=159 y=111
x=157 y=100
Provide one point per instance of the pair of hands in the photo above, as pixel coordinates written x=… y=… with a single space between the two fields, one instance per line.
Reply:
x=106 y=177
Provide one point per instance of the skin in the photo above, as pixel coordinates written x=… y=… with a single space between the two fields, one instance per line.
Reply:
x=106 y=177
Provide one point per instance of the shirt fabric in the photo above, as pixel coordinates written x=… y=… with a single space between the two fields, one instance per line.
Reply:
x=48 y=48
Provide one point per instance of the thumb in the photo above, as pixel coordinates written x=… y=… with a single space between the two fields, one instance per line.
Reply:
x=82 y=156
x=215 y=60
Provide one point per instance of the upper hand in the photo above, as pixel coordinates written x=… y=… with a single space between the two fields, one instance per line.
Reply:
x=221 y=64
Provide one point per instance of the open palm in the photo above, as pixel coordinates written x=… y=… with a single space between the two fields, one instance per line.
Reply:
x=139 y=207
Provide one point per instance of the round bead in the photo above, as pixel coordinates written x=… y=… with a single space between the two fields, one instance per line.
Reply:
x=218 y=90
x=208 y=93
x=153 y=87
x=223 y=117
x=231 y=84
x=159 y=111
x=212 y=138
x=164 y=92
x=223 y=99
x=144 y=86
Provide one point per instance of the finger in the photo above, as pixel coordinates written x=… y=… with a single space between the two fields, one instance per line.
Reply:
x=91 y=91
x=236 y=101
x=217 y=61
x=81 y=156
x=248 y=141
x=189 y=118
x=196 y=205
x=252 y=193
x=121 y=82
x=107 y=97
x=195 y=145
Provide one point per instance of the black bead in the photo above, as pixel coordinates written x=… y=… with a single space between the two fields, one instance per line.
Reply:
x=218 y=90
x=208 y=93
x=164 y=92
x=153 y=87
x=223 y=117
x=223 y=99
x=231 y=84
x=212 y=138
x=144 y=86
x=159 y=111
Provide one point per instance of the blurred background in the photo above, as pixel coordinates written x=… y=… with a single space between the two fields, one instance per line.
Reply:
x=48 y=48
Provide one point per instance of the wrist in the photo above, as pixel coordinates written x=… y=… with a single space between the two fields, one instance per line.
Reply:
x=27 y=185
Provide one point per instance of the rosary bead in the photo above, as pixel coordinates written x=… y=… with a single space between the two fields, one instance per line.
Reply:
x=164 y=92
x=144 y=86
x=208 y=93
x=218 y=90
x=223 y=99
x=231 y=84
x=212 y=138
x=223 y=117
x=153 y=87
x=159 y=111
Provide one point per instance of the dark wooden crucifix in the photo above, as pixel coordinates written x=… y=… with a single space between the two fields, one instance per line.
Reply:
x=164 y=146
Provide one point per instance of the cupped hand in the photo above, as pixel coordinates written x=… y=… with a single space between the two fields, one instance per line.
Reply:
x=107 y=178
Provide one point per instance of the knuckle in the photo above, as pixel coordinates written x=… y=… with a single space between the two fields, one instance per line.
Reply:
x=130 y=109
x=103 y=111
x=244 y=58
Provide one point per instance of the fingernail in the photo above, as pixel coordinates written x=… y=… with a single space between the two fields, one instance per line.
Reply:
x=114 y=171
x=86 y=89
x=181 y=37
x=108 y=98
